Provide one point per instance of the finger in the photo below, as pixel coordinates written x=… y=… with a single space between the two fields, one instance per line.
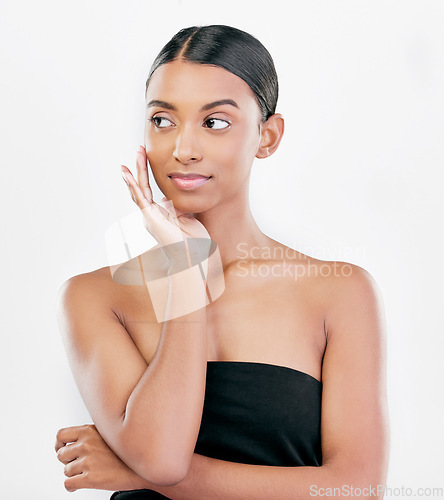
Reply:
x=135 y=191
x=75 y=483
x=67 y=435
x=74 y=468
x=155 y=216
x=169 y=207
x=168 y=204
x=142 y=174
x=68 y=453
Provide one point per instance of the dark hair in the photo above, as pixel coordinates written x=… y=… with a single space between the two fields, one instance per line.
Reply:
x=232 y=49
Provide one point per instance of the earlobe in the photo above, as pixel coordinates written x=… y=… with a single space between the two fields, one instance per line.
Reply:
x=272 y=132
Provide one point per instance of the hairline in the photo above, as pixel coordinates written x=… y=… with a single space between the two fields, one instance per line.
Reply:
x=180 y=57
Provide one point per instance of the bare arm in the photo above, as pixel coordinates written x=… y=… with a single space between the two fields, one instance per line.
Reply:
x=354 y=424
x=149 y=415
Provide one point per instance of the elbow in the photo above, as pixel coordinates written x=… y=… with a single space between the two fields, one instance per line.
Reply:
x=163 y=466
x=157 y=470
x=156 y=458
x=167 y=465
x=166 y=472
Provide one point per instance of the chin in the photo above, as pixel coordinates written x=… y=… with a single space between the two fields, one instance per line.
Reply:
x=188 y=205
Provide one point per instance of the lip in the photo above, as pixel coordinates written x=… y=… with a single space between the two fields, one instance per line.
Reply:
x=188 y=181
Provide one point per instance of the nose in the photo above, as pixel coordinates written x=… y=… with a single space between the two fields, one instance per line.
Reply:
x=186 y=149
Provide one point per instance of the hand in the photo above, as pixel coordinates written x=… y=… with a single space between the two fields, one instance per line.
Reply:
x=167 y=224
x=90 y=463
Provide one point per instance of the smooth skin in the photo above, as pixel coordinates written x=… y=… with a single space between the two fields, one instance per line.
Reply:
x=136 y=375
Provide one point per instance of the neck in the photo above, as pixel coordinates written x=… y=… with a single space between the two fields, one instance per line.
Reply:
x=232 y=226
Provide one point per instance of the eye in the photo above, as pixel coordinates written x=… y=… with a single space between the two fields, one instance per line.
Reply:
x=161 y=122
x=217 y=123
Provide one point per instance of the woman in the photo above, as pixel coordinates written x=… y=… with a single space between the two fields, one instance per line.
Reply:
x=223 y=401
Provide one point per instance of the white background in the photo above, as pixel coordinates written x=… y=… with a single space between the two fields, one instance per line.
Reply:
x=358 y=177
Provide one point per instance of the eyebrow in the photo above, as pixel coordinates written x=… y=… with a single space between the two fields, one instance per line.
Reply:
x=206 y=107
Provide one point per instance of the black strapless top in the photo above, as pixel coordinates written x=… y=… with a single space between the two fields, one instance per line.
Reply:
x=256 y=413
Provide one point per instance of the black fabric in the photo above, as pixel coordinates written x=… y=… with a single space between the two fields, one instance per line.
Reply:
x=256 y=413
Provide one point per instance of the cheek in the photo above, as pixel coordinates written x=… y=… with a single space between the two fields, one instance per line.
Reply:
x=158 y=151
x=157 y=172
x=156 y=164
x=153 y=142
x=239 y=149
x=234 y=151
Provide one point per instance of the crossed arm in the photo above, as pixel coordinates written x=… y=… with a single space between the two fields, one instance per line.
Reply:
x=208 y=477
x=354 y=423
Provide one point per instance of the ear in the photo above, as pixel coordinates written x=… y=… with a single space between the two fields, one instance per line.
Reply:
x=271 y=134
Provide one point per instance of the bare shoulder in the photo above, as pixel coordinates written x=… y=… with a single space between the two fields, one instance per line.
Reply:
x=87 y=278
x=342 y=277
x=96 y=297
x=94 y=285
x=106 y=284
x=351 y=293
x=90 y=294
x=334 y=275
x=339 y=280
x=347 y=291
x=341 y=289
x=78 y=297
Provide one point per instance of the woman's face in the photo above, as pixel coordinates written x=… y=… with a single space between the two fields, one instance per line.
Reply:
x=189 y=130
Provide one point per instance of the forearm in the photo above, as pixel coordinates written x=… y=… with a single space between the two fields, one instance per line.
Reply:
x=221 y=480
x=163 y=413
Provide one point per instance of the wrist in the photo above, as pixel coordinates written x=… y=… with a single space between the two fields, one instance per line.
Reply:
x=186 y=293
